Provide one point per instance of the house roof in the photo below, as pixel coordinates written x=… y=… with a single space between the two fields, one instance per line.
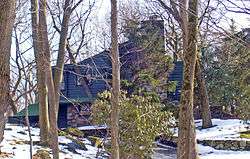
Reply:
x=33 y=109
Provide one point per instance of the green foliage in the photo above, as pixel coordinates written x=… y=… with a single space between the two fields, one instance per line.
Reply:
x=44 y=154
x=141 y=120
x=171 y=86
x=173 y=108
x=96 y=141
x=62 y=133
x=151 y=70
x=245 y=134
x=126 y=83
x=227 y=74
x=74 y=132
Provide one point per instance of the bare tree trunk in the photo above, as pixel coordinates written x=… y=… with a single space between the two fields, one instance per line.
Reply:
x=186 y=135
x=42 y=88
x=53 y=115
x=27 y=118
x=203 y=96
x=27 y=79
x=182 y=18
x=184 y=22
x=58 y=74
x=43 y=107
x=115 y=83
x=45 y=50
x=7 y=17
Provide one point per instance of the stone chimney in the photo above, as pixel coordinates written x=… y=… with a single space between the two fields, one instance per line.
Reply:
x=153 y=29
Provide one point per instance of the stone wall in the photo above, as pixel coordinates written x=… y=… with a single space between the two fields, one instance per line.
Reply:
x=78 y=115
x=235 y=145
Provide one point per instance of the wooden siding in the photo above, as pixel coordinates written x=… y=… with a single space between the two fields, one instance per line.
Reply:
x=176 y=75
x=99 y=68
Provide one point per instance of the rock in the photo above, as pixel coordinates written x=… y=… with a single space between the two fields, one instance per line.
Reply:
x=76 y=144
x=212 y=143
x=22 y=132
x=233 y=148
x=42 y=154
x=219 y=146
x=6 y=155
x=74 y=132
x=243 y=144
x=9 y=129
x=72 y=147
x=247 y=146
x=227 y=144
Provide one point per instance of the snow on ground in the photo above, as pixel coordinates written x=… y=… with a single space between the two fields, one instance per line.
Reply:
x=15 y=143
x=206 y=152
x=16 y=137
x=92 y=127
x=222 y=130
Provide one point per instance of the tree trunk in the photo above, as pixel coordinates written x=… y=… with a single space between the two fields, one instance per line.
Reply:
x=7 y=17
x=27 y=116
x=45 y=50
x=27 y=82
x=41 y=82
x=184 y=23
x=115 y=83
x=43 y=106
x=203 y=96
x=58 y=74
x=186 y=135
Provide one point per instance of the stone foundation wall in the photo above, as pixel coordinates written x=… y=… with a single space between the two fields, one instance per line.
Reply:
x=78 y=115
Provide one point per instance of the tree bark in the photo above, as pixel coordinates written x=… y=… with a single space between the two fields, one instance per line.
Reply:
x=41 y=82
x=203 y=96
x=182 y=19
x=184 y=23
x=186 y=134
x=45 y=50
x=115 y=83
x=58 y=74
x=7 y=17
x=27 y=117
x=27 y=82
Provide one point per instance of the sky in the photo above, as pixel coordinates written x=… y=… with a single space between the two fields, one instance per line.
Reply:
x=101 y=16
x=242 y=20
